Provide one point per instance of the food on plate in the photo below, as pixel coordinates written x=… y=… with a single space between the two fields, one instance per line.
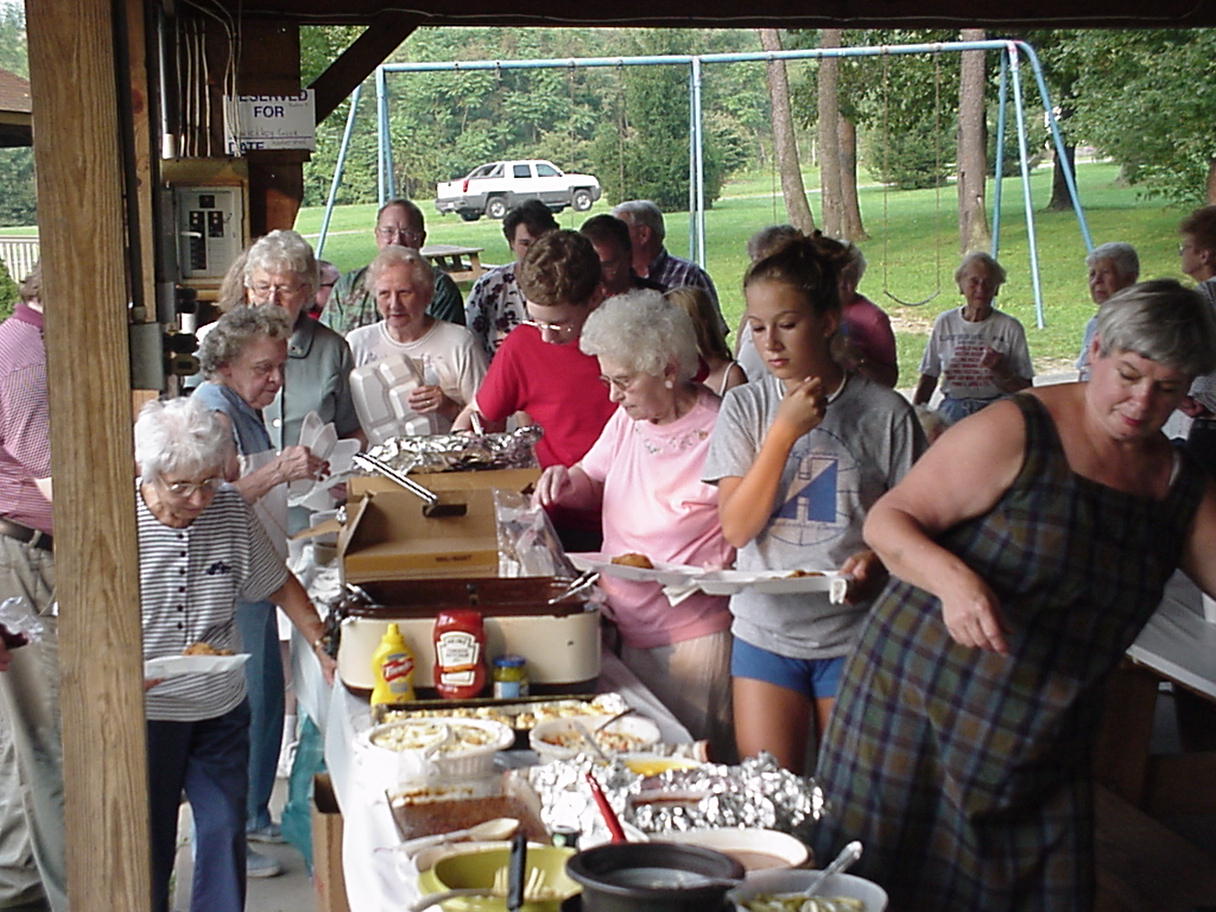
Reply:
x=607 y=740
x=417 y=734
x=773 y=902
x=205 y=649
x=633 y=559
x=798 y=574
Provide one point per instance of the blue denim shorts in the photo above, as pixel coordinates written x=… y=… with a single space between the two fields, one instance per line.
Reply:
x=817 y=679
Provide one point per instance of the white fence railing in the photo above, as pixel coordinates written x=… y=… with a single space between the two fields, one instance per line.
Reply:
x=19 y=254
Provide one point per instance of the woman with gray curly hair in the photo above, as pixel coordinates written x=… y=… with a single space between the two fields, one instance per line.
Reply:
x=645 y=472
x=198 y=724
x=242 y=359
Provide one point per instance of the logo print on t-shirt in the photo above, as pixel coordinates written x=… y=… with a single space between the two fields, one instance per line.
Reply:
x=819 y=496
x=814 y=500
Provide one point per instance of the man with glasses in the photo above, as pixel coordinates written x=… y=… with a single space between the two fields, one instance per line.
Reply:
x=351 y=305
x=31 y=753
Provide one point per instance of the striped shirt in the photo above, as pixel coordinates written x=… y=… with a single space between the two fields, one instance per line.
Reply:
x=25 y=430
x=190 y=580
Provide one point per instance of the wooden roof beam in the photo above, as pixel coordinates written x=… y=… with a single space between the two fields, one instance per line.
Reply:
x=360 y=60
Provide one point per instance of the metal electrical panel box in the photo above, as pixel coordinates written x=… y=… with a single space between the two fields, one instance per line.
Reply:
x=209 y=229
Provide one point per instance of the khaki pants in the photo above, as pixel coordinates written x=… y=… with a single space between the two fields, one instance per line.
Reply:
x=692 y=679
x=31 y=752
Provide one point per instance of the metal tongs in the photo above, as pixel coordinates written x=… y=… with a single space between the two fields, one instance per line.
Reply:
x=584 y=580
x=431 y=505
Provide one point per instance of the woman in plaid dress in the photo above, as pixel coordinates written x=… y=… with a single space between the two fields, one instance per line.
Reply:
x=1029 y=546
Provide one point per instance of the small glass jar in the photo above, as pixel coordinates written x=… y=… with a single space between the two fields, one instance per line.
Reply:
x=510 y=677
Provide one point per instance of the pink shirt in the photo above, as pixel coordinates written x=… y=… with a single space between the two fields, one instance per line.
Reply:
x=869 y=327
x=656 y=504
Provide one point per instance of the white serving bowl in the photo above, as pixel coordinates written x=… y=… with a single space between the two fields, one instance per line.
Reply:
x=641 y=733
x=435 y=756
x=756 y=849
x=791 y=880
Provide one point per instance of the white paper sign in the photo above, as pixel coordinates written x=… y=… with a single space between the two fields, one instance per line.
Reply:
x=271 y=122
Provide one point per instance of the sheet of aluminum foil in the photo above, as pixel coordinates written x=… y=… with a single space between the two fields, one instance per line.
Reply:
x=461 y=452
x=756 y=793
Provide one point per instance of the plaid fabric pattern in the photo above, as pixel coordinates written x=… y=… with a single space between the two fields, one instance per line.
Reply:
x=25 y=430
x=352 y=304
x=966 y=773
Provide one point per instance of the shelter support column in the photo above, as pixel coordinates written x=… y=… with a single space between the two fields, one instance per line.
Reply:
x=80 y=206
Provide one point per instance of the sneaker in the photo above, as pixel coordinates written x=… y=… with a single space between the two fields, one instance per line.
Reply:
x=259 y=865
x=269 y=834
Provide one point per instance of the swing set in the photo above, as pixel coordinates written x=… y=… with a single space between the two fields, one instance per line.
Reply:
x=1011 y=52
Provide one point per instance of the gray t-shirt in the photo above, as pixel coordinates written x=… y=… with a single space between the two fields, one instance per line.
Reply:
x=866 y=442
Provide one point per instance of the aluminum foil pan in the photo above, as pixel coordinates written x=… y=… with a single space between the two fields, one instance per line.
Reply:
x=756 y=793
x=461 y=452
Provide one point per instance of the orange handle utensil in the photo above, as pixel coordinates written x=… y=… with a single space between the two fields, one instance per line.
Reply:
x=606 y=811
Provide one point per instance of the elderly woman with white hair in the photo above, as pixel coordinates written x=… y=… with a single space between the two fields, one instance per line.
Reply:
x=243 y=359
x=446 y=355
x=200 y=551
x=979 y=353
x=645 y=471
x=1112 y=267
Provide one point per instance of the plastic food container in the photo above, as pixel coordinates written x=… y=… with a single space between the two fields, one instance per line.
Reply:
x=790 y=881
x=559 y=739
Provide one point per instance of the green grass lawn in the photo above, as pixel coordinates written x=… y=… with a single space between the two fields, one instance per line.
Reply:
x=912 y=250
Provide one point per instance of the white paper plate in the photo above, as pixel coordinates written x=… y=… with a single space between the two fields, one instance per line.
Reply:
x=663 y=573
x=773 y=582
x=170 y=666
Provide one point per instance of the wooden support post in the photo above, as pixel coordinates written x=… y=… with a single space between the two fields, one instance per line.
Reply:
x=80 y=208
x=360 y=60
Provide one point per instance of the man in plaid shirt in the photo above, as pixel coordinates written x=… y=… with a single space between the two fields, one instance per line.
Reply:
x=32 y=856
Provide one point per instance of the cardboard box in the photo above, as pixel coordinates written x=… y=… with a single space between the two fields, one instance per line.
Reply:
x=327 y=876
x=388 y=537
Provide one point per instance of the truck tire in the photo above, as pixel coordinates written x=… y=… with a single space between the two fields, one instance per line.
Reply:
x=496 y=207
x=469 y=215
x=582 y=200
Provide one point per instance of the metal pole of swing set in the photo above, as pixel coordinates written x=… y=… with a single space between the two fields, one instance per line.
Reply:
x=999 y=174
x=698 y=255
x=692 y=167
x=1015 y=73
x=339 y=167
x=381 y=121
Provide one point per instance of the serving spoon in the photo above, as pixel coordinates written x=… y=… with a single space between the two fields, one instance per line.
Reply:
x=848 y=855
x=487 y=831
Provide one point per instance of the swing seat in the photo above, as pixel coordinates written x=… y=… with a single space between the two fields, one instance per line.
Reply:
x=912 y=303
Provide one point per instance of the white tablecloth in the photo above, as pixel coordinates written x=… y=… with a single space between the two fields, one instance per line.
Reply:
x=1177 y=642
x=375 y=881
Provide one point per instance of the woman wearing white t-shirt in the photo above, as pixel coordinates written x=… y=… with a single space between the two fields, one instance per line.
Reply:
x=645 y=471
x=446 y=355
x=979 y=353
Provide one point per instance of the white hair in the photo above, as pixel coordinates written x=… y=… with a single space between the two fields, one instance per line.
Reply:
x=283 y=250
x=181 y=435
x=1162 y=321
x=642 y=212
x=1122 y=255
x=644 y=332
x=396 y=255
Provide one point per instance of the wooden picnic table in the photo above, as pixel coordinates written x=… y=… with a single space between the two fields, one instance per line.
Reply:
x=463 y=264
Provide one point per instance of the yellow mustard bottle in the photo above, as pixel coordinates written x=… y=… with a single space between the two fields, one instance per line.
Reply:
x=393 y=668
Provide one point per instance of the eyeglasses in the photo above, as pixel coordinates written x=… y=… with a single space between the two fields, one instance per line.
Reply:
x=266 y=290
x=412 y=236
x=190 y=488
x=620 y=384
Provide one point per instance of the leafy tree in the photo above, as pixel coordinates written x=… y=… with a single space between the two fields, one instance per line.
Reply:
x=18 y=203
x=1145 y=98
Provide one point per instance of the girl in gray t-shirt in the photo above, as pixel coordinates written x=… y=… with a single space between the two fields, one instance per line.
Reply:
x=799 y=455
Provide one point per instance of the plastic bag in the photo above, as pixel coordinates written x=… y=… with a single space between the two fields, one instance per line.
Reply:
x=19 y=624
x=527 y=543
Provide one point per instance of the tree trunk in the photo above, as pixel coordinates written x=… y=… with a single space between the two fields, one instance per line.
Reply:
x=973 y=233
x=1060 y=199
x=829 y=136
x=786 y=146
x=853 y=230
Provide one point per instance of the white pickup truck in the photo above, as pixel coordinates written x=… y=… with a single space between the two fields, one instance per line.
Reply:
x=495 y=188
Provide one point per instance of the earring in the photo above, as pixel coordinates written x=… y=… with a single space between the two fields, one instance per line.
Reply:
x=669 y=384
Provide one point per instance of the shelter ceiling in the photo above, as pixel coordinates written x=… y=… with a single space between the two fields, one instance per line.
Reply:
x=737 y=13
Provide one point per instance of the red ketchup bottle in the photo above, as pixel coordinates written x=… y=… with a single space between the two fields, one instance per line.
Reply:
x=460 y=654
